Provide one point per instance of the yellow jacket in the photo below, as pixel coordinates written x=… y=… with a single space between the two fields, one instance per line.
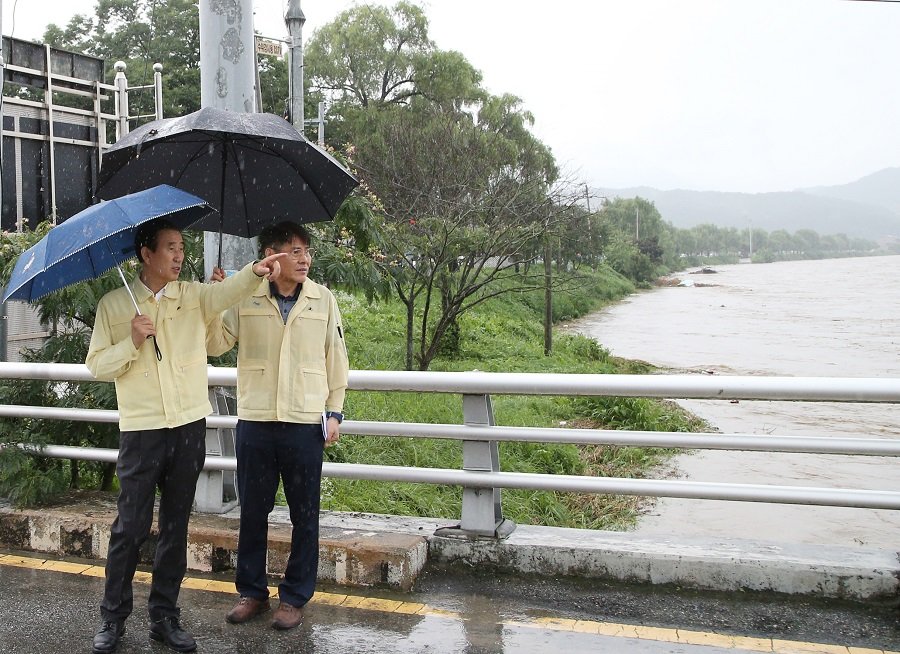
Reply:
x=155 y=394
x=286 y=372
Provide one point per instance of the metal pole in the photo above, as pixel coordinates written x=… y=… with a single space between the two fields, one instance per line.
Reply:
x=157 y=89
x=121 y=84
x=228 y=82
x=228 y=74
x=227 y=56
x=51 y=135
x=294 y=20
x=548 y=298
x=322 y=124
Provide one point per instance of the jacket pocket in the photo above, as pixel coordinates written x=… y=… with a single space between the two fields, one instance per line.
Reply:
x=119 y=330
x=313 y=384
x=191 y=381
x=255 y=391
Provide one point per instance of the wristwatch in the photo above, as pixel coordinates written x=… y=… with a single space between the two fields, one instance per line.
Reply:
x=337 y=415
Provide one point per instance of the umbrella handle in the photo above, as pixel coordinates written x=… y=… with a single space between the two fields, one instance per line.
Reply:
x=134 y=301
x=128 y=288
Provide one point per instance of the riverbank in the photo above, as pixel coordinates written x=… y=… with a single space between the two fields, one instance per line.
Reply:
x=503 y=334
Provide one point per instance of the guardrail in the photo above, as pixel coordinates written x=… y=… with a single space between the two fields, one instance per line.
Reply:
x=481 y=478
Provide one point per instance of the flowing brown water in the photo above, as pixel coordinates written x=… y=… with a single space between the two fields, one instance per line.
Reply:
x=833 y=318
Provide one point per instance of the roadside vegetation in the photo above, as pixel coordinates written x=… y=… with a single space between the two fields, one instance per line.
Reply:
x=502 y=334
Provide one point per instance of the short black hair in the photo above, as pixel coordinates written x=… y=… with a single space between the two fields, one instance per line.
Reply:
x=281 y=234
x=147 y=235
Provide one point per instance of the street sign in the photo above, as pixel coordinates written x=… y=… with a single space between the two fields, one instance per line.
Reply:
x=268 y=47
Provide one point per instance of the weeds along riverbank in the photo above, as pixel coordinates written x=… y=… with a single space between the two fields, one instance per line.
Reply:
x=504 y=334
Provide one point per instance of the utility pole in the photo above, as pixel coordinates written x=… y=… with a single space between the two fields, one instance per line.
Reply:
x=637 y=222
x=227 y=81
x=590 y=225
x=548 y=298
x=294 y=19
x=227 y=56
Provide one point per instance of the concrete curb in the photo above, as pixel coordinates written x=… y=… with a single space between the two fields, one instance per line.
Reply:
x=391 y=551
x=350 y=557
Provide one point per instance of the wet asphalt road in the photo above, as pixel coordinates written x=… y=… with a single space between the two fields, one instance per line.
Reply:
x=454 y=611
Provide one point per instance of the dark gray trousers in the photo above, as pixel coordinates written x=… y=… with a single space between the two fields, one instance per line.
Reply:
x=171 y=460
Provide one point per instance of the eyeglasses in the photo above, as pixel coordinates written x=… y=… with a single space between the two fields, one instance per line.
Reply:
x=300 y=253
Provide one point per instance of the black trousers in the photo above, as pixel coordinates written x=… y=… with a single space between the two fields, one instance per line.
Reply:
x=171 y=460
x=267 y=452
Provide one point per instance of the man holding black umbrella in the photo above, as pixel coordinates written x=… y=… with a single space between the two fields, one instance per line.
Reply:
x=157 y=359
x=292 y=375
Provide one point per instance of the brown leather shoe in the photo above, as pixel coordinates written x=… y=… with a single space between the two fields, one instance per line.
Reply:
x=287 y=616
x=247 y=608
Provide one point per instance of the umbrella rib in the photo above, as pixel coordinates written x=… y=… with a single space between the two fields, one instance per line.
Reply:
x=266 y=149
x=241 y=182
x=196 y=155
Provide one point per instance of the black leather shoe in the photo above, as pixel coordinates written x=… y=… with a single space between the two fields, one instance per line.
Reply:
x=107 y=637
x=170 y=633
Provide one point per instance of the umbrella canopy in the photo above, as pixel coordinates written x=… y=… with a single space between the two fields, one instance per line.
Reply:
x=96 y=239
x=255 y=168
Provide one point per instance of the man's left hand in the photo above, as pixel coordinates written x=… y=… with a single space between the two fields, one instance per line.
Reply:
x=334 y=432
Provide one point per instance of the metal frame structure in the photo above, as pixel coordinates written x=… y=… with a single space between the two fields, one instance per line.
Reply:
x=56 y=77
x=481 y=478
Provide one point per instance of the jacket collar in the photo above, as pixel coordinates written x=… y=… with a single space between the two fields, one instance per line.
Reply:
x=309 y=290
x=143 y=294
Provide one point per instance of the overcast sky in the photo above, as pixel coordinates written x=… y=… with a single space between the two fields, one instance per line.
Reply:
x=728 y=95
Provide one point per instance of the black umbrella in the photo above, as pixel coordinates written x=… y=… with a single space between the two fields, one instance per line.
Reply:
x=253 y=168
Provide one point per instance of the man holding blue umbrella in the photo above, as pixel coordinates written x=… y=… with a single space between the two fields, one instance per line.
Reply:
x=158 y=360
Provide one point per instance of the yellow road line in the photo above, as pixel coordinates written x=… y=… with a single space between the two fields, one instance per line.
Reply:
x=638 y=632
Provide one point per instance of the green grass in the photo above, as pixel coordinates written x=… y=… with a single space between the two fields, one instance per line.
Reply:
x=502 y=335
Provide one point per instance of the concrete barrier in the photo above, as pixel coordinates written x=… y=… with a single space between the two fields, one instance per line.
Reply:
x=390 y=551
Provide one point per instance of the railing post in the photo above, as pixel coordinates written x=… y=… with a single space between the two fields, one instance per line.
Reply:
x=216 y=491
x=157 y=90
x=482 y=513
x=121 y=83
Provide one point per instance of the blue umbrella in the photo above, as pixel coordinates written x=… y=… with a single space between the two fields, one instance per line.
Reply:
x=96 y=239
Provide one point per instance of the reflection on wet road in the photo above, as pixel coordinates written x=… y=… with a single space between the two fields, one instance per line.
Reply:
x=51 y=606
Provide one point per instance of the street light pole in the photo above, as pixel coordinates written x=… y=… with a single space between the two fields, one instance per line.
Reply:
x=294 y=19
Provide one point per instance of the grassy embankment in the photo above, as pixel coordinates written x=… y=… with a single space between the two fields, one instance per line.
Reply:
x=502 y=335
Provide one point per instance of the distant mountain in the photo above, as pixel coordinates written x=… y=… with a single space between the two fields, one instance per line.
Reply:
x=868 y=208
x=881 y=188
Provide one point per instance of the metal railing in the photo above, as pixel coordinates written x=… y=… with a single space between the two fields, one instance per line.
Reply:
x=481 y=478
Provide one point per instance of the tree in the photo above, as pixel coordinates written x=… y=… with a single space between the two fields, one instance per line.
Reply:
x=463 y=182
x=638 y=242
x=464 y=198
x=371 y=56
x=141 y=33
